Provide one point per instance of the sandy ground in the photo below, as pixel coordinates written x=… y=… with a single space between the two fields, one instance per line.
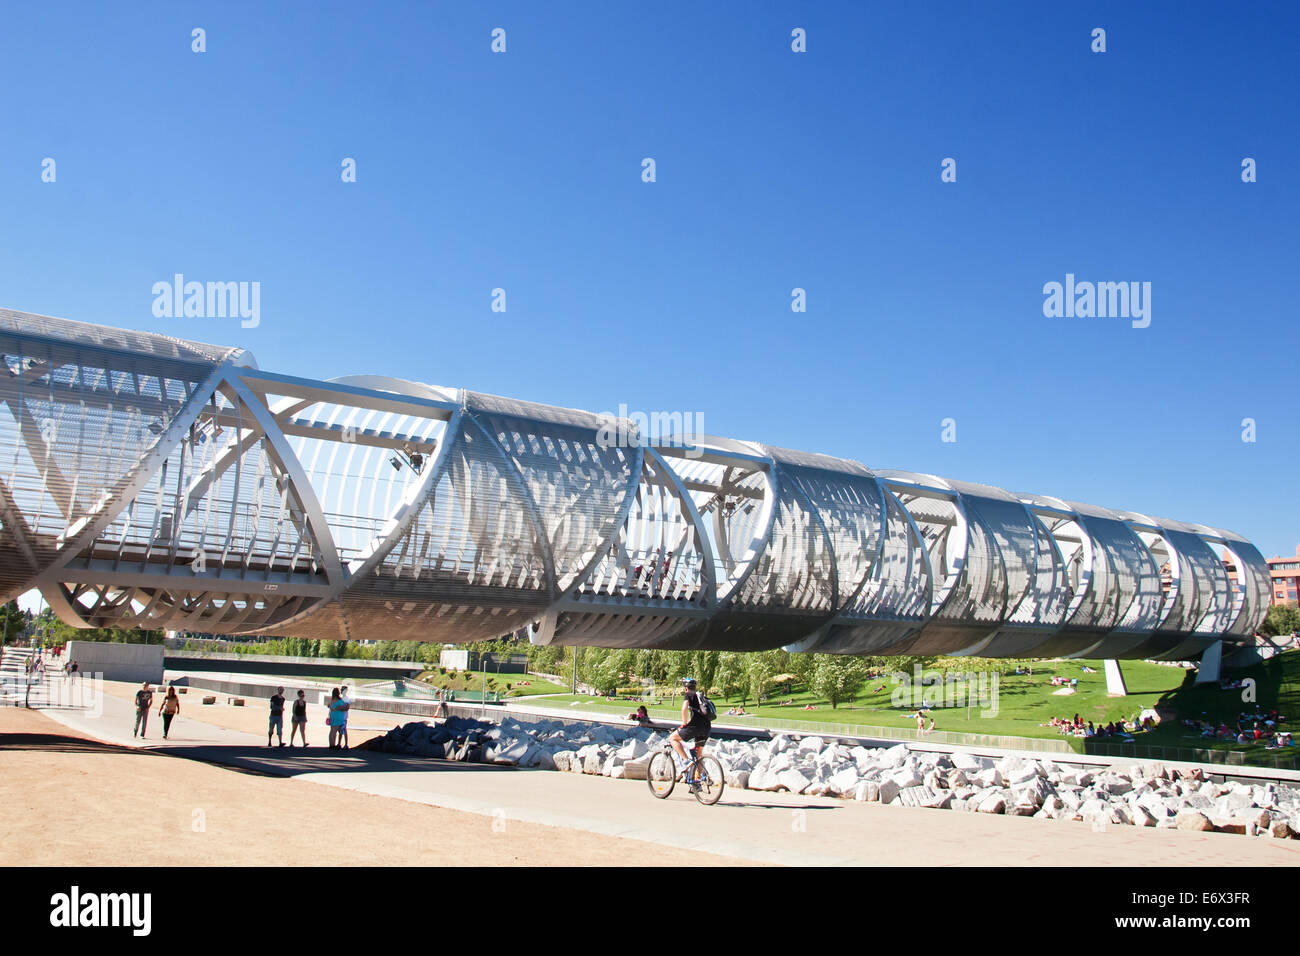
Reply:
x=215 y=778
x=73 y=801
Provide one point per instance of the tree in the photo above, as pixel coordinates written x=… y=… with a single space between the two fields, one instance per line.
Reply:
x=705 y=667
x=14 y=621
x=733 y=676
x=600 y=668
x=545 y=658
x=762 y=668
x=653 y=665
x=1281 y=619
x=802 y=667
x=837 y=677
x=678 y=665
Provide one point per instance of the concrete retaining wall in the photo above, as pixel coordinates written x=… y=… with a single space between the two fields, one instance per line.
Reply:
x=314 y=692
x=463 y=659
x=125 y=662
x=322 y=668
x=252 y=692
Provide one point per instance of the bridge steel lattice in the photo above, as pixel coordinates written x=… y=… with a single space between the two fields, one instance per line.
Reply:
x=152 y=482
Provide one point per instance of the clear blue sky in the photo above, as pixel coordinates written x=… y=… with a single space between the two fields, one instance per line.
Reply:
x=775 y=170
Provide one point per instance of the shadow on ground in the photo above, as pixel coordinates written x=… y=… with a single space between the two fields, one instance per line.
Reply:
x=57 y=743
x=262 y=761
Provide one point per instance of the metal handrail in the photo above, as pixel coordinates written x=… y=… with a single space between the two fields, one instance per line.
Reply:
x=1232 y=758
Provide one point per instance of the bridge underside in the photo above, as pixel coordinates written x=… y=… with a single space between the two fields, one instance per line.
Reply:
x=157 y=483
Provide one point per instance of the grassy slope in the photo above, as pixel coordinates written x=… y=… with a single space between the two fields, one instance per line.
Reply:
x=1277 y=685
x=473 y=681
x=1026 y=703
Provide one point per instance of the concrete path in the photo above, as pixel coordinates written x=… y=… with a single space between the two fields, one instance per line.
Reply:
x=765 y=827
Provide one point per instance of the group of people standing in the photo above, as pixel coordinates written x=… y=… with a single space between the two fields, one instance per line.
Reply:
x=339 y=705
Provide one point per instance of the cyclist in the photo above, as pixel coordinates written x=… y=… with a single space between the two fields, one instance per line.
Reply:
x=695 y=726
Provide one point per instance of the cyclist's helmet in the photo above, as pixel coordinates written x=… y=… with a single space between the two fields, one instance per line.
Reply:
x=689 y=682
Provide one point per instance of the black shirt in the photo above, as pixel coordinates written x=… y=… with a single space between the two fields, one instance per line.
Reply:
x=277 y=704
x=698 y=716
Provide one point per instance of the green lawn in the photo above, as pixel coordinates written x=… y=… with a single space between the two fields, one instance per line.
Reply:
x=506 y=685
x=536 y=685
x=1277 y=686
x=1026 y=703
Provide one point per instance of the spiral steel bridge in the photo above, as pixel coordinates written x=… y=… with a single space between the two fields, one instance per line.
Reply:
x=159 y=483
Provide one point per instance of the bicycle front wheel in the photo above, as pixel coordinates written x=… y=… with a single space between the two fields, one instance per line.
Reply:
x=710 y=781
x=661 y=774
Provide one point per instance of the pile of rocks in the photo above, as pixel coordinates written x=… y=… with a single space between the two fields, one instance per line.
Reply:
x=457 y=738
x=1139 y=794
x=550 y=745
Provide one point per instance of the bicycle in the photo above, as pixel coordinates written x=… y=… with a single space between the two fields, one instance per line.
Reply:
x=662 y=774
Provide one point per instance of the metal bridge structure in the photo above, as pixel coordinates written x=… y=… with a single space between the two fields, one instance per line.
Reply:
x=152 y=482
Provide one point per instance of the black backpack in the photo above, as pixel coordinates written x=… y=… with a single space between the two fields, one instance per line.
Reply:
x=706 y=705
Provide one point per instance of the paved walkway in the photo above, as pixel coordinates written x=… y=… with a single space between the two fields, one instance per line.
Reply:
x=765 y=827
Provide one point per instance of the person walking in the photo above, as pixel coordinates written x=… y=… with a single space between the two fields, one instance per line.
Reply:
x=276 y=724
x=171 y=706
x=299 y=718
x=143 y=701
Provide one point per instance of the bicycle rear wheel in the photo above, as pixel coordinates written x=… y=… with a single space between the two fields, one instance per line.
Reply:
x=661 y=774
x=710 y=781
